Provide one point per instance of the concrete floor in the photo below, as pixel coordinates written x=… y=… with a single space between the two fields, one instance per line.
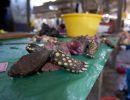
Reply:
x=111 y=80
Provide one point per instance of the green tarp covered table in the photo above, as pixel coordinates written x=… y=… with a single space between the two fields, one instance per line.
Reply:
x=57 y=85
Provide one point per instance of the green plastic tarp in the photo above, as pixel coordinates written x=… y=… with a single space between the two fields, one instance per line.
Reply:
x=57 y=85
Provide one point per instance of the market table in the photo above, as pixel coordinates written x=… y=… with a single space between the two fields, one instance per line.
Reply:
x=57 y=85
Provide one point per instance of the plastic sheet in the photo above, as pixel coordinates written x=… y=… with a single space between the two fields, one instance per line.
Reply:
x=57 y=85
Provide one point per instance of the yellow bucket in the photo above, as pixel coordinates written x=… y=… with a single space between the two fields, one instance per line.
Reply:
x=81 y=24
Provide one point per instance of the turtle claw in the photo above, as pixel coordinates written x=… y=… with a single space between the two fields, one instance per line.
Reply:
x=84 y=69
x=38 y=73
x=80 y=71
x=72 y=71
x=68 y=69
x=11 y=78
x=85 y=64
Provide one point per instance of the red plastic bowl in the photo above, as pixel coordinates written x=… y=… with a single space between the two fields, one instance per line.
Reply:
x=109 y=98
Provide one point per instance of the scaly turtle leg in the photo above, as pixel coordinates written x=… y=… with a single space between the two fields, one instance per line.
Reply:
x=92 y=48
x=66 y=61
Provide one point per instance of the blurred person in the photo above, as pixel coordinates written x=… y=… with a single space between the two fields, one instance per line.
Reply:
x=3 y=13
x=128 y=83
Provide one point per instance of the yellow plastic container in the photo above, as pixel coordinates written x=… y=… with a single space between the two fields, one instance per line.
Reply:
x=81 y=24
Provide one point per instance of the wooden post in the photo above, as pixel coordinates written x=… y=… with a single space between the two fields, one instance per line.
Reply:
x=100 y=7
x=83 y=2
x=100 y=3
x=28 y=14
x=72 y=8
x=107 y=3
x=119 y=15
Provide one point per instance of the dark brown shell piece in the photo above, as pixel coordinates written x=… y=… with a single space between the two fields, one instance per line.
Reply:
x=29 y=63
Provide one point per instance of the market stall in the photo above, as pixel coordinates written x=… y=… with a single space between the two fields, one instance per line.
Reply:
x=57 y=85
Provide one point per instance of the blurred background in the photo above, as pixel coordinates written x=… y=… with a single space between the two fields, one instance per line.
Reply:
x=29 y=15
x=23 y=15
